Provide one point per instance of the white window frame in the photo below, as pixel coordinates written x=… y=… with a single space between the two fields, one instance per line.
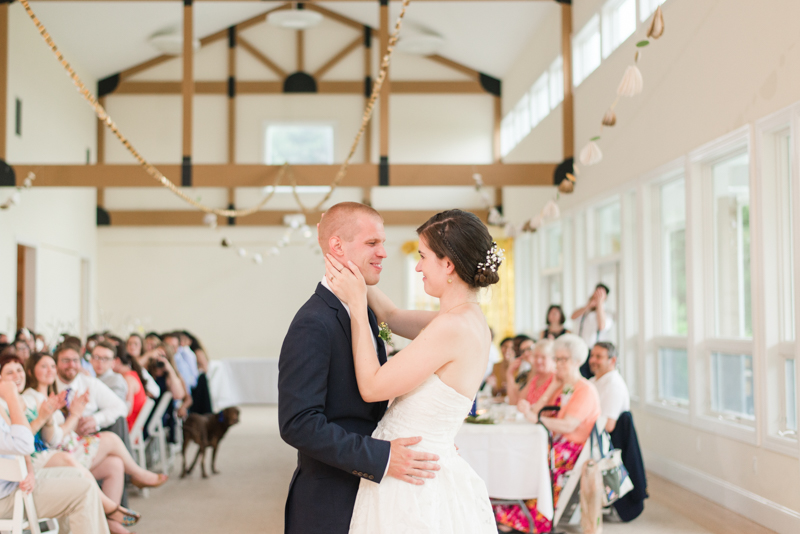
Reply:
x=608 y=38
x=703 y=341
x=777 y=346
x=581 y=38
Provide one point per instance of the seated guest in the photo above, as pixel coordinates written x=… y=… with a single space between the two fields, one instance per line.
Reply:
x=555 y=323
x=104 y=407
x=201 y=396
x=614 y=396
x=500 y=368
x=61 y=492
x=127 y=367
x=185 y=360
x=542 y=359
x=194 y=344
x=571 y=427
x=134 y=346
x=103 y=356
x=22 y=349
x=40 y=415
x=61 y=434
x=519 y=370
x=151 y=341
x=160 y=364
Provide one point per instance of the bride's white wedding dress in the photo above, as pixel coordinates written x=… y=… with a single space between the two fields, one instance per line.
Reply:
x=455 y=501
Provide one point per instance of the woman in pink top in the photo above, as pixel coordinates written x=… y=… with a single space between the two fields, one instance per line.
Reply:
x=571 y=427
x=542 y=360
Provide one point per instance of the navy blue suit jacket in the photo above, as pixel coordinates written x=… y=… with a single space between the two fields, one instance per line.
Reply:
x=323 y=416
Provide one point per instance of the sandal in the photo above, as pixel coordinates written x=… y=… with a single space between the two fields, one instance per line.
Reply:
x=161 y=479
x=129 y=517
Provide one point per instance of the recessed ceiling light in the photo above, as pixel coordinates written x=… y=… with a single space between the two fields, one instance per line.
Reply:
x=294 y=19
x=170 y=43
x=420 y=44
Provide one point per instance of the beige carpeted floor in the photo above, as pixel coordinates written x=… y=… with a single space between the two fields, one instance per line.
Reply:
x=248 y=494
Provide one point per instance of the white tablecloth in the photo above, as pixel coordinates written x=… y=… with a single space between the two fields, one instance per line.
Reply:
x=243 y=381
x=511 y=458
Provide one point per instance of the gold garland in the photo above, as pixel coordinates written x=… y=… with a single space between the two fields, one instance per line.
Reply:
x=166 y=182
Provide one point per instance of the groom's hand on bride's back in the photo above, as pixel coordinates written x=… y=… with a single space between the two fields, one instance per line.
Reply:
x=409 y=465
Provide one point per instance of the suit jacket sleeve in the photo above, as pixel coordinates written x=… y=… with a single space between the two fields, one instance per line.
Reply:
x=302 y=389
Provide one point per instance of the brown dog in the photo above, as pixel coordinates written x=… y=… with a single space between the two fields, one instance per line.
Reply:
x=207 y=431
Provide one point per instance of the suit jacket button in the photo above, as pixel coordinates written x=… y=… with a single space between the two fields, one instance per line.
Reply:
x=371 y=477
x=355 y=472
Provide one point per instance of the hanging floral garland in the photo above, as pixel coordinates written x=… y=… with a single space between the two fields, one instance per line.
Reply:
x=631 y=85
x=16 y=196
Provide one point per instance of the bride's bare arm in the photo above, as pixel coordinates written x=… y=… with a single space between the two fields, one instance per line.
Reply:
x=405 y=323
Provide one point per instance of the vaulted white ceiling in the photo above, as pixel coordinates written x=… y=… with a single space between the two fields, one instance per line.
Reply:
x=107 y=37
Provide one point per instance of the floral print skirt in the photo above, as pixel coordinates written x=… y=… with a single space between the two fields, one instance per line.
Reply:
x=566 y=454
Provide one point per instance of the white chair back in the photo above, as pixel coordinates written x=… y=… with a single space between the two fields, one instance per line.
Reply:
x=157 y=433
x=15 y=470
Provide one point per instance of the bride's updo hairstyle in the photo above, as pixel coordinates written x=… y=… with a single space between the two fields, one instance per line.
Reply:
x=463 y=238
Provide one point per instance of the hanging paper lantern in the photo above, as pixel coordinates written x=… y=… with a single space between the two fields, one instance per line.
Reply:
x=550 y=211
x=274 y=251
x=536 y=222
x=210 y=219
x=242 y=252
x=258 y=259
x=226 y=242
x=495 y=218
x=657 y=25
x=610 y=118
x=510 y=230
x=567 y=186
x=591 y=153
x=632 y=82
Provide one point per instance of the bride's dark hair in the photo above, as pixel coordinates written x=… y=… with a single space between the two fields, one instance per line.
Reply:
x=463 y=238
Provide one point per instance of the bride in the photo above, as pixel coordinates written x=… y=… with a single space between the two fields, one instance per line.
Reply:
x=433 y=380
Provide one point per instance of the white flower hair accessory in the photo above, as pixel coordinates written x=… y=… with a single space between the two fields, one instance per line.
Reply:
x=494 y=257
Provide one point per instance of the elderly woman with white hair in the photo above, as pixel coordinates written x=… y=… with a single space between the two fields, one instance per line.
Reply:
x=571 y=426
x=542 y=359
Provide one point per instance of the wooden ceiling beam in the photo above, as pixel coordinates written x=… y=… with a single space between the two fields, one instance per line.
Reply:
x=261 y=218
x=463 y=69
x=276 y=87
x=240 y=175
x=343 y=53
x=260 y=56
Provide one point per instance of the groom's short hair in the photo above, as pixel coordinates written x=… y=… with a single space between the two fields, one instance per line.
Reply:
x=342 y=220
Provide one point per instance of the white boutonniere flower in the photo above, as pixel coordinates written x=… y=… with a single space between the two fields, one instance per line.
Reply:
x=385 y=334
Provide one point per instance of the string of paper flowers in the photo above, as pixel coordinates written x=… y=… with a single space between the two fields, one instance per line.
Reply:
x=630 y=86
x=549 y=212
x=16 y=196
x=295 y=224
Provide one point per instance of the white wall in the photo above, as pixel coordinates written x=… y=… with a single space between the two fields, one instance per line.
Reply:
x=57 y=125
x=168 y=278
x=719 y=66
x=60 y=224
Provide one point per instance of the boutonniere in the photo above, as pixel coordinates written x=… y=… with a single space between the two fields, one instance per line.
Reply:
x=385 y=334
x=567 y=390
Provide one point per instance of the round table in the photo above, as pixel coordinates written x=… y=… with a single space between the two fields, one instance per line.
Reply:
x=511 y=458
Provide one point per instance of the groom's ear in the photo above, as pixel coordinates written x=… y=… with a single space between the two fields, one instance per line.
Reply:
x=335 y=244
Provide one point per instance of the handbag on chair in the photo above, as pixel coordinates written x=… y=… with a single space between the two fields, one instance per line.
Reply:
x=616 y=481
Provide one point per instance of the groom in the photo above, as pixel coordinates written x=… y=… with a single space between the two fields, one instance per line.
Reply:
x=320 y=410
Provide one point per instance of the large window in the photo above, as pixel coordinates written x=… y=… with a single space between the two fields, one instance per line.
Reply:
x=673 y=376
x=731 y=227
x=299 y=143
x=619 y=22
x=586 y=50
x=607 y=230
x=790 y=399
x=552 y=265
x=556 y=82
x=672 y=210
x=732 y=385
x=522 y=118
x=539 y=100
x=783 y=171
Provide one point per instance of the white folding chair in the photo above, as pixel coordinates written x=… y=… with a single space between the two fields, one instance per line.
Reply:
x=136 y=435
x=156 y=433
x=567 y=501
x=14 y=469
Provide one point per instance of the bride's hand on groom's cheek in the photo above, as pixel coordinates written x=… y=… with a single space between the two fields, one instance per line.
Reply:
x=346 y=281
